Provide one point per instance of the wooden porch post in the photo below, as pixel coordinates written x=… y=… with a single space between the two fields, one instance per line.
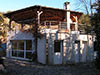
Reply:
x=37 y=23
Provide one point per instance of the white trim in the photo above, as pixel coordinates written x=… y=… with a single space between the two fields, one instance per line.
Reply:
x=11 y=50
x=29 y=51
x=24 y=48
x=32 y=46
x=20 y=58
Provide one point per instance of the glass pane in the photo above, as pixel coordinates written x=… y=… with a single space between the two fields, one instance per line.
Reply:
x=14 y=44
x=29 y=55
x=14 y=53
x=20 y=45
x=20 y=54
x=28 y=44
x=72 y=27
x=57 y=45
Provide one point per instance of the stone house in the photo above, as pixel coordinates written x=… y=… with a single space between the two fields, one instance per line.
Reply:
x=59 y=42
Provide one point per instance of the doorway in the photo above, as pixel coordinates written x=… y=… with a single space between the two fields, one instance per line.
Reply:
x=84 y=51
x=58 y=51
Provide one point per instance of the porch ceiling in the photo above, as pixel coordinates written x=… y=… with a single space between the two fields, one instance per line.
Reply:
x=29 y=15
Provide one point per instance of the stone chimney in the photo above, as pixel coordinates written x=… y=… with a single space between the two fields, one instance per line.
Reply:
x=67 y=8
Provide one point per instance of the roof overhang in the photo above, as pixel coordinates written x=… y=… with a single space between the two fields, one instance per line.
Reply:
x=29 y=14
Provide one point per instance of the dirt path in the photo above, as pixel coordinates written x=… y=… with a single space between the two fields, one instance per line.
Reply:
x=17 y=67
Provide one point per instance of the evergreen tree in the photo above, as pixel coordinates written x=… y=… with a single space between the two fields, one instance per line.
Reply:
x=96 y=24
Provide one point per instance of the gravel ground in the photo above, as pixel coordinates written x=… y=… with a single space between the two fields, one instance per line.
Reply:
x=17 y=67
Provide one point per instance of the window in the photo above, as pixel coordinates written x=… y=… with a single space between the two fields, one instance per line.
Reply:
x=18 y=48
x=17 y=45
x=21 y=45
x=57 y=45
x=18 y=54
x=63 y=25
x=72 y=27
x=14 y=53
x=14 y=45
x=28 y=44
x=95 y=46
x=77 y=41
x=29 y=55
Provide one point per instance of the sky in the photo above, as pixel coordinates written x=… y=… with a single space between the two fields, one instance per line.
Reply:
x=11 y=5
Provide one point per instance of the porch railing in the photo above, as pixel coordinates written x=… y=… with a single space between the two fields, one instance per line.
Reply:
x=57 y=24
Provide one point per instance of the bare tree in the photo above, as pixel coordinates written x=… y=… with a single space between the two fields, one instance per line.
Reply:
x=85 y=6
